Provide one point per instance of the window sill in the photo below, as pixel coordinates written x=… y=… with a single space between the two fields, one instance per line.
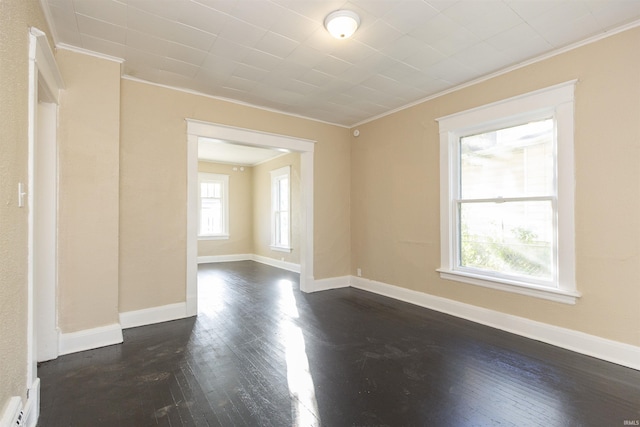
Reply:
x=217 y=237
x=553 y=294
x=281 y=249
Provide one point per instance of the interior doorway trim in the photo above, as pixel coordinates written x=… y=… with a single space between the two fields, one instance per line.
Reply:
x=45 y=84
x=197 y=128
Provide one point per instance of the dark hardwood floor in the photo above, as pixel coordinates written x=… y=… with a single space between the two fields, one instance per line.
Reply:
x=260 y=353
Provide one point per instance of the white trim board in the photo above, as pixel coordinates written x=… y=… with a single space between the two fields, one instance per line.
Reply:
x=289 y=266
x=331 y=283
x=88 y=339
x=580 y=342
x=17 y=415
x=543 y=57
x=224 y=258
x=149 y=316
x=230 y=100
x=12 y=412
x=318 y=284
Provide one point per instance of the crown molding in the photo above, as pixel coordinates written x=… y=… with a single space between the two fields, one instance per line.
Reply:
x=64 y=46
x=507 y=70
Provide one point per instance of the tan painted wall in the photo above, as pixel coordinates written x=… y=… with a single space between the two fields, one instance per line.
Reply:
x=240 y=212
x=89 y=192
x=262 y=205
x=153 y=205
x=395 y=191
x=16 y=16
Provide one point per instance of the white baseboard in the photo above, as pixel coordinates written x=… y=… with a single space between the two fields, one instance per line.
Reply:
x=12 y=412
x=149 y=316
x=89 y=339
x=590 y=345
x=330 y=283
x=289 y=266
x=17 y=415
x=224 y=258
x=277 y=263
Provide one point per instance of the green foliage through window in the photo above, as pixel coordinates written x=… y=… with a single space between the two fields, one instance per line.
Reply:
x=519 y=253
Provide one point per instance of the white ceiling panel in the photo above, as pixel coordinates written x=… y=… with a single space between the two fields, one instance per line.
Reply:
x=408 y=14
x=276 y=45
x=186 y=54
x=190 y=36
x=103 y=46
x=276 y=54
x=110 y=11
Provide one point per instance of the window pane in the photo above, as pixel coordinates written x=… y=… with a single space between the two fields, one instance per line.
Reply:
x=283 y=229
x=216 y=190
x=211 y=217
x=514 y=238
x=283 y=192
x=211 y=189
x=206 y=189
x=511 y=162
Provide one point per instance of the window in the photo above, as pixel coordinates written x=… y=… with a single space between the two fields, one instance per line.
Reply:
x=281 y=209
x=213 y=206
x=507 y=195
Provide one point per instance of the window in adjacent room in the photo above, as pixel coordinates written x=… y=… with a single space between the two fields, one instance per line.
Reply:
x=507 y=195
x=213 y=206
x=281 y=209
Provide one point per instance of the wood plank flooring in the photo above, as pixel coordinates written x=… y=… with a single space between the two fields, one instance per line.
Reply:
x=260 y=353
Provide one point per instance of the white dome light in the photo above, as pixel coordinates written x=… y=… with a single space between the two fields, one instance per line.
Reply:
x=341 y=24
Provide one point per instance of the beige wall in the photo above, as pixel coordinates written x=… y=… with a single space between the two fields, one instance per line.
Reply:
x=262 y=204
x=395 y=191
x=153 y=205
x=16 y=16
x=89 y=192
x=240 y=212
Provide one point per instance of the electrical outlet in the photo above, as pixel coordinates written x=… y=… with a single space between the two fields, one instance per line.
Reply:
x=20 y=419
x=359 y=272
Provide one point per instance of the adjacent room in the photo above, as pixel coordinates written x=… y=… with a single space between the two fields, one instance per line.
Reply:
x=306 y=213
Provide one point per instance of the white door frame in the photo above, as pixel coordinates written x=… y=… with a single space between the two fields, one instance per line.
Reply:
x=45 y=83
x=197 y=128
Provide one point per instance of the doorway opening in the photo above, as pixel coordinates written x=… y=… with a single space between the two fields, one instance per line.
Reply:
x=247 y=137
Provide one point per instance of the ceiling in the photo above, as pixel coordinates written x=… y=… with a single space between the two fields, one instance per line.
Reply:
x=216 y=150
x=276 y=54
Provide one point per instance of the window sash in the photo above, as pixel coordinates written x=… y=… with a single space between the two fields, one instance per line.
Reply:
x=213 y=206
x=280 y=208
x=211 y=216
x=555 y=101
x=501 y=254
x=529 y=248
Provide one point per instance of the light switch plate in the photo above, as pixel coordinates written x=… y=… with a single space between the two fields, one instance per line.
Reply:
x=21 y=194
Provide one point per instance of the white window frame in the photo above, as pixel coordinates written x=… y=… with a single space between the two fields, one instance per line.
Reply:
x=204 y=177
x=557 y=102
x=276 y=176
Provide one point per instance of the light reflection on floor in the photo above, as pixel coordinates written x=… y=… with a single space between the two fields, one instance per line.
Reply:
x=211 y=293
x=304 y=406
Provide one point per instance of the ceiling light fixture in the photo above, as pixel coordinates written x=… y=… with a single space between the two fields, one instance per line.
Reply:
x=341 y=24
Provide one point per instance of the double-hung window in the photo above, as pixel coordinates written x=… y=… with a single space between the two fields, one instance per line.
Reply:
x=507 y=195
x=213 y=206
x=281 y=209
